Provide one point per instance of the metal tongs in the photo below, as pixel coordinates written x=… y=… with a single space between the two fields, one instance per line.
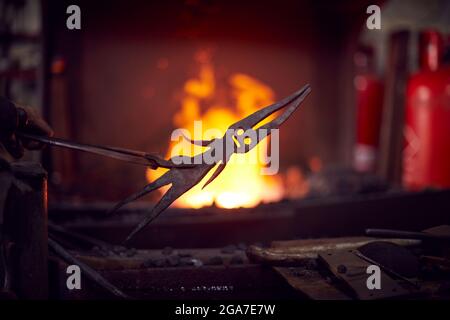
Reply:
x=243 y=138
x=137 y=157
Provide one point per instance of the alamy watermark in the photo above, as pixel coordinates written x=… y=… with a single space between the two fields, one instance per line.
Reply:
x=73 y=281
x=373 y=282
x=374 y=20
x=73 y=21
x=221 y=150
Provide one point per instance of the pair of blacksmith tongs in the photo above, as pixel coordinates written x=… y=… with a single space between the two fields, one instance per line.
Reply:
x=242 y=136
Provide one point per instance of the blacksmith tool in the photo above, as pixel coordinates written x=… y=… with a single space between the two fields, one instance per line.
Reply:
x=240 y=136
x=137 y=157
x=435 y=234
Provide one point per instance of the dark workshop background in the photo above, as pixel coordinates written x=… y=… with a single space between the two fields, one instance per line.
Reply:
x=102 y=84
x=120 y=97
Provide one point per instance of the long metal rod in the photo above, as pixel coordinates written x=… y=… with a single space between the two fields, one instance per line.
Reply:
x=53 y=228
x=90 y=273
x=400 y=234
x=137 y=157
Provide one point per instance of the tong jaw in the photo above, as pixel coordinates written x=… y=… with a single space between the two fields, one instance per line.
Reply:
x=246 y=125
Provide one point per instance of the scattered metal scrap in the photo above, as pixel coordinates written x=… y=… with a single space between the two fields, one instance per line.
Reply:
x=299 y=252
x=336 y=268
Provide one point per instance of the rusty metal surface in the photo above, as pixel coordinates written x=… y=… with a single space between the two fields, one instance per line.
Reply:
x=299 y=252
x=346 y=266
x=301 y=270
x=391 y=257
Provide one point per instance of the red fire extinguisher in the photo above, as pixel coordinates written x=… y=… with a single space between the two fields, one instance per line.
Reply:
x=369 y=103
x=426 y=158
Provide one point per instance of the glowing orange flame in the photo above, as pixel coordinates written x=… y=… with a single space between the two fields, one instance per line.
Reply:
x=241 y=183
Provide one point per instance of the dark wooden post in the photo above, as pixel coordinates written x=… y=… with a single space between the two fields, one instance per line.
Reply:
x=25 y=231
x=391 y=136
